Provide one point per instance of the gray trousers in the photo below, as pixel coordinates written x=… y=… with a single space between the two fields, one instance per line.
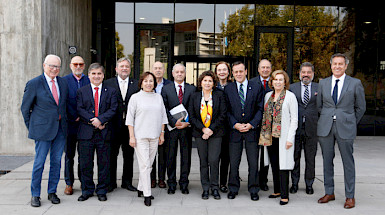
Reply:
x=346 y=149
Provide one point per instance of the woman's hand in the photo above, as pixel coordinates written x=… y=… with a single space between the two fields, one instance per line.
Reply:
x=132 y=142
x=161 y=138
x=207 y=131
x=288 y=144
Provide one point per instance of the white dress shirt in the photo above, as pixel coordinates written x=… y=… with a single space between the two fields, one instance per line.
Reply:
x=177 y=87
x=245 y=82
x=48 y=79
x=99 y=91
x=303 y=88
x=123 y=86
x=340 y=85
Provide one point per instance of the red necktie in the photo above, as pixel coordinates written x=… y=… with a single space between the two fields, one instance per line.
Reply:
x=264 y=84
x=180 y=95
x=54 y=92
x=96 y=99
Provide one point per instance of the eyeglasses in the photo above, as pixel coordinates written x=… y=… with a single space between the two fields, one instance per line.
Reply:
x=78 y=64
x=53 y=66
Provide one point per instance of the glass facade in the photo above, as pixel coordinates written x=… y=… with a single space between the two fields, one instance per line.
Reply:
x=199 y=35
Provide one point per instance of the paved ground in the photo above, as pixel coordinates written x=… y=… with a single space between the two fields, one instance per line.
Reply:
x=370 y=187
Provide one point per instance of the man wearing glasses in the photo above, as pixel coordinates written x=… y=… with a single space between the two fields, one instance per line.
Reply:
x=44 y=112
x=75 y=80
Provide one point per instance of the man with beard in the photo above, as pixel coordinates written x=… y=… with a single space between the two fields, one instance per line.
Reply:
x=75 y=81
x=306 y=136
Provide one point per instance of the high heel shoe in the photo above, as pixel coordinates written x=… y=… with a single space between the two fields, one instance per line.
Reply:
x=147 y=201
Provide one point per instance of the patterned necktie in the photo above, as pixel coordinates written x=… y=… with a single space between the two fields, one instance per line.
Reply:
x=54 y=92
x=180 y=95
x=306 y=95
x=123 y=89
x=242 y=95
x=96 y=99
x=335 y=92
x=264 y=84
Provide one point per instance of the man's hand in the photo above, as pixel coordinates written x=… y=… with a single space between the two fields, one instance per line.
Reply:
x=181 y=125
x=77 y=119
x=101 y=127
x=243 y=127
x=95 y=122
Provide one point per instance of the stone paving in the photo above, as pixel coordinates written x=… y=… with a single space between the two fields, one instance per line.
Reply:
x=370 y=187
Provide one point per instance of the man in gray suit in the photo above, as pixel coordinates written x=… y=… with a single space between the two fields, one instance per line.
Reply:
x=341 y=104
x=306 y=136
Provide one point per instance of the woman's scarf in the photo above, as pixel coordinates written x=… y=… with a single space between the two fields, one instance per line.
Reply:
x=271 y=122
x=206 y=110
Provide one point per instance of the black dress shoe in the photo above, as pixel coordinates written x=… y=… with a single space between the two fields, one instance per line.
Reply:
x=84 y=197
x=147 y=201
x=140 y=194
x=293 y=188
x=205 y=194
x=129 y=187
x=215 y=194
x=264 y=187
x=102 y=197
x=171 y=190
x=53 y=198
x=35 y=201
x=232 y=195
x=185 y=190
x=254 y=196
x=309 y=190
x=223 y=189
x=111 y=188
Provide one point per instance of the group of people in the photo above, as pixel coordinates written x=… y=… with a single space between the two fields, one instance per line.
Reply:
x=267 y=116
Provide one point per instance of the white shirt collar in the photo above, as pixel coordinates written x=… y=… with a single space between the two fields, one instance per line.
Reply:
x=177 y=87
x=48 y=78
x=120 y=79
x=342 y=78
x=261 y=78
x=93 y=86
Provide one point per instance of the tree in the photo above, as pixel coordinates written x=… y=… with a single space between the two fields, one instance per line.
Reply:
x=119 y=47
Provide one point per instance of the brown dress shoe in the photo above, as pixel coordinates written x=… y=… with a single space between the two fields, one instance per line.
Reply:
x=153 y=183
x=326 y=198
x=68 y=190
x=349 y=203
x=162 y=184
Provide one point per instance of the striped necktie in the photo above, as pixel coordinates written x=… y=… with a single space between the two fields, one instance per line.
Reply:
x=306 y=95
x=242 y=95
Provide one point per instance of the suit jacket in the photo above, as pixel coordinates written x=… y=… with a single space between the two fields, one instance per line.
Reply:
x=252 y=112
x=72 y=113
x=218 y=115
x=40 y=111
x=171 y=100
x=86 y=110
x=349 y=109
x=310 y=112
x=119 y=119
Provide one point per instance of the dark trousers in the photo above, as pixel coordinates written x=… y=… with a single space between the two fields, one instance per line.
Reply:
x=309 y=144
x=122 y=139
x=263 y=170
x=184 y=138
x=209 y=151
x=235 y=150
x=70 y=150
x=161 y=164
x=280 y=177
x=224 y=160
x=86 y=158
x=346 y=149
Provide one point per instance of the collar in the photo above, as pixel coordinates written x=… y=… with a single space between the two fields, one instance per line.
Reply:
x=77 y=78
x=93 y=86
x=309 y=85
x=267 y=79
x=342 y=78
x=245 y=82
x=48 y=78
x=176 y=85
x=120 y=79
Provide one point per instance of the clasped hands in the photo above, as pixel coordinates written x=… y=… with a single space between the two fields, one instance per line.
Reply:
x=181 y=125
x=206 y=133
x=243 y=127
x=97 y=124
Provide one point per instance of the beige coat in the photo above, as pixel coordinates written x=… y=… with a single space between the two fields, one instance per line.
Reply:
x=289 y=124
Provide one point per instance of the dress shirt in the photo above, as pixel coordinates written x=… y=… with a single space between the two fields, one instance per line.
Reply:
x=303 y=90
x=267 y=80
x=177 y=87
x=123 y=84
x=245 y=82
x=48 y=79
x=99 y=91
x=159 y=87
x=340 y=85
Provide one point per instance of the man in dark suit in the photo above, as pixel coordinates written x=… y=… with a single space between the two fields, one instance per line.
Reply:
x=44 y=112
x=341 y=104
x=158 y=70
x=75 y=80
x=306 y=135
x=174 y=95
x=96 y=105
x=125 y=87
x=264 y=70
x=245 y=99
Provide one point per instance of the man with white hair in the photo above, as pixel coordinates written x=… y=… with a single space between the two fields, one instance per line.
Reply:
x=44 y=112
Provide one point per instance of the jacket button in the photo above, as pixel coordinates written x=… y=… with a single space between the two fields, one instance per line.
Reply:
x=93 y=111
x=243 y=114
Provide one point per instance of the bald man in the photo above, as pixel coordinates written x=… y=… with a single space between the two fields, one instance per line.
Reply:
x=75 y=80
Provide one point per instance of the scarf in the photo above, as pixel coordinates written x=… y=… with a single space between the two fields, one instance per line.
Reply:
x=206 y=110
x=271 y=122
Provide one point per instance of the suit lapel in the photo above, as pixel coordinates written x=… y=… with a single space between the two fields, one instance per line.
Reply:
x=90 y=95
x=297 y=92
x=344 y=88
x=103 y=94
x=130 y=85
x=118 y=88
x=60 y=87
x=313 y=91
x=249 y=94
x=328 y=89
x=46 y=87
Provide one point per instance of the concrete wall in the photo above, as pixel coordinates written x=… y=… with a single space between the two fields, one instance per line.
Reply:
x=29 y=30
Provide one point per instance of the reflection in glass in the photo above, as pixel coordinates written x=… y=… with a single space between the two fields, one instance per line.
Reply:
x=273 y=46
x=154 y=13
x=124 y=41
x=124 y=12
x=316 y=15
x=274 y=15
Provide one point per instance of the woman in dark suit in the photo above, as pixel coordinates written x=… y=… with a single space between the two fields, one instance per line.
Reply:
x=207 y=112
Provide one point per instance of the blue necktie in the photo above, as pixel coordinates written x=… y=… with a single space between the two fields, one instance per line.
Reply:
x=242 y=95
x=335 y=92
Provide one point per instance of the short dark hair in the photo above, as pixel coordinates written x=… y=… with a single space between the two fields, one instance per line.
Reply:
x=95 y=66
x=203 y=75
x=307 y=64
x=238 y=63
x=143 y=76
x=340 y=55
